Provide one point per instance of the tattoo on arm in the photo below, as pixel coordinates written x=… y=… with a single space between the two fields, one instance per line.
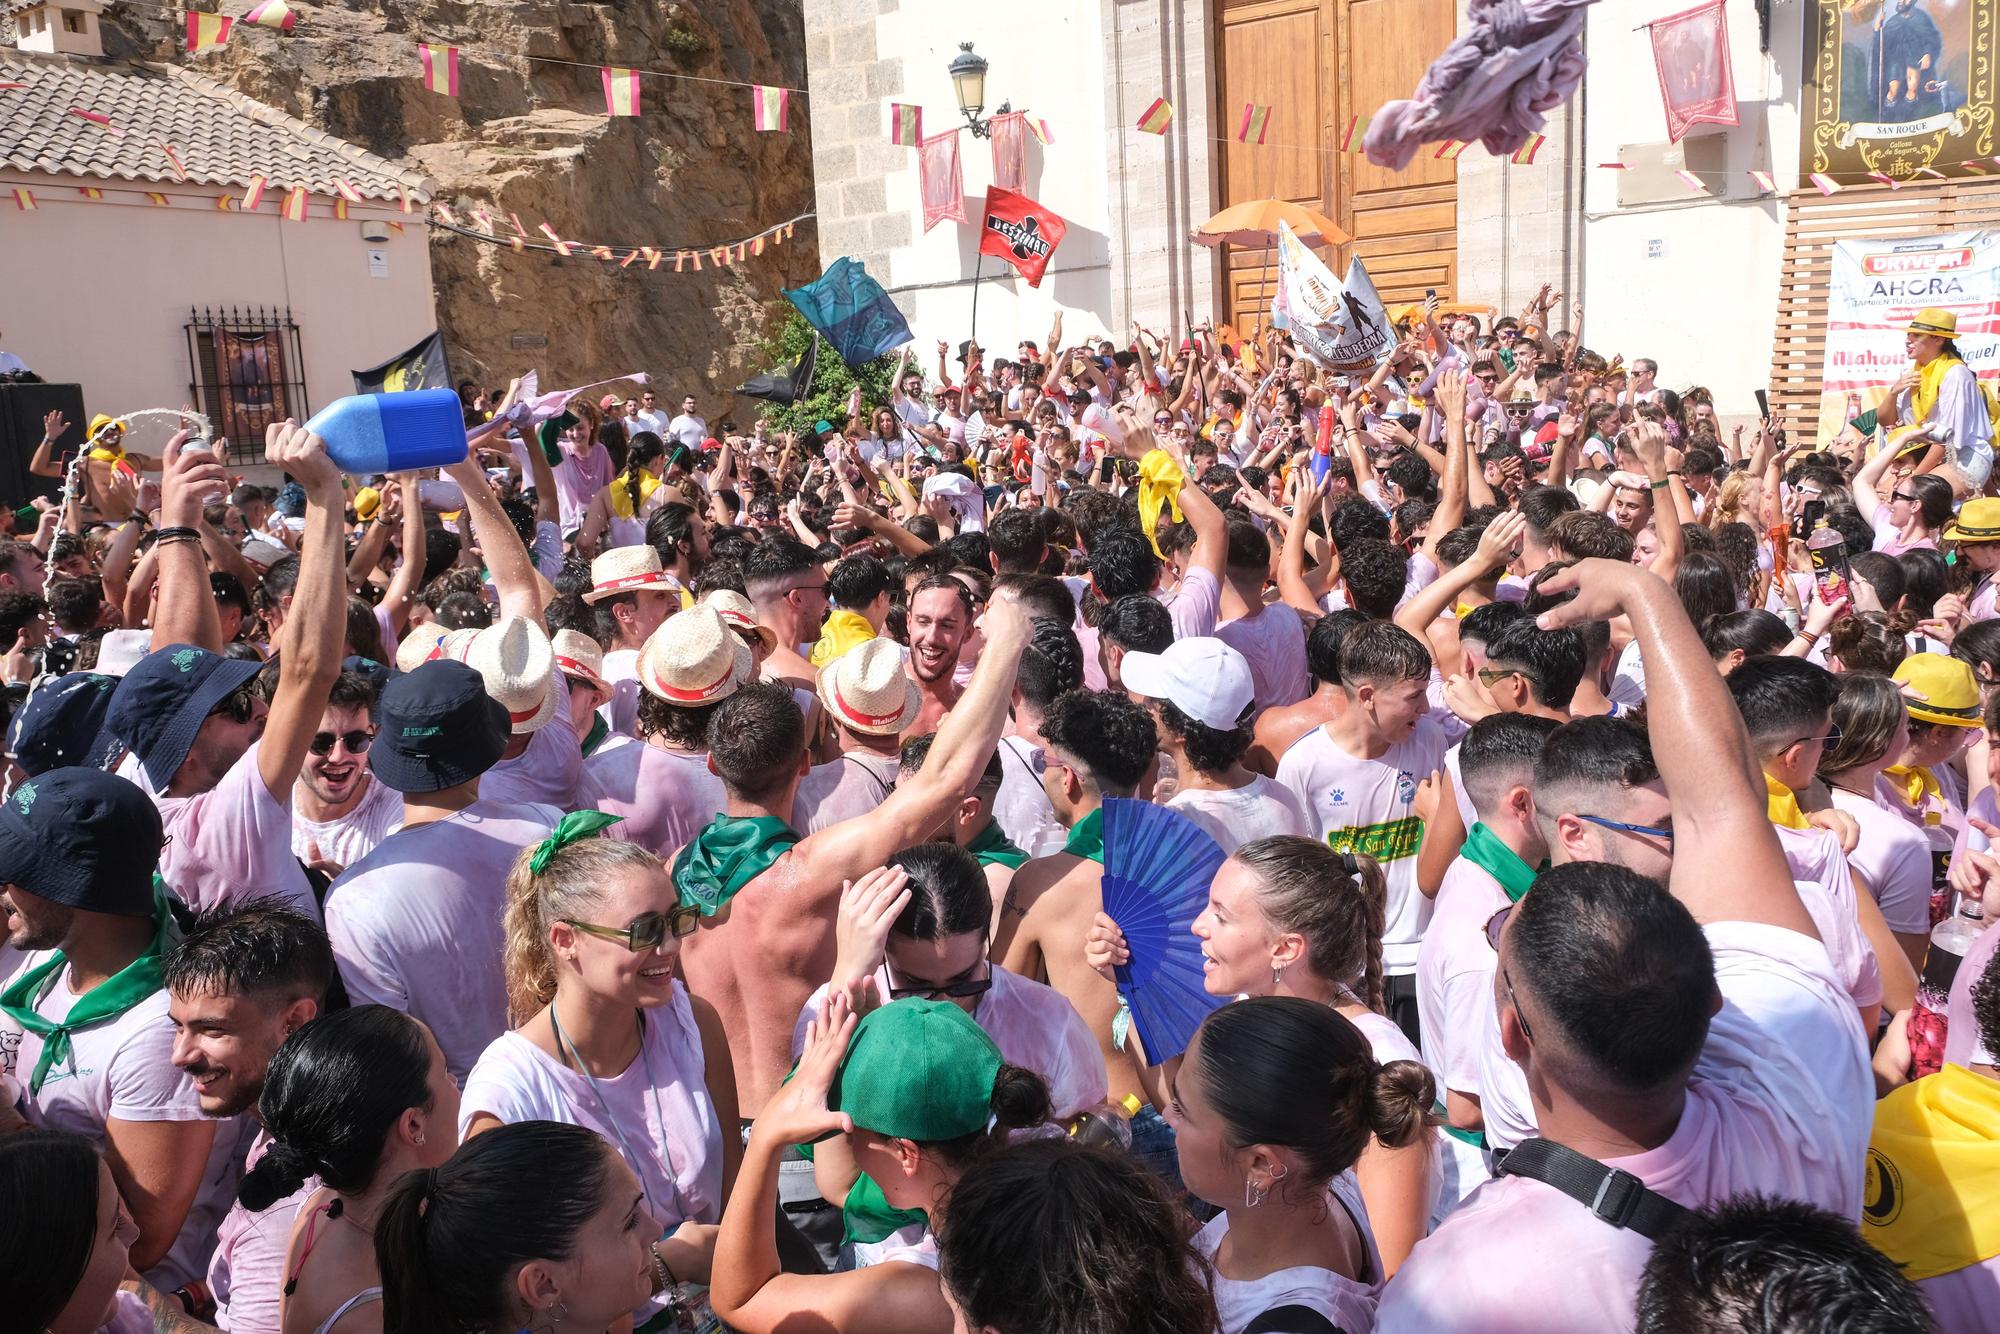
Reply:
x=168 y=1315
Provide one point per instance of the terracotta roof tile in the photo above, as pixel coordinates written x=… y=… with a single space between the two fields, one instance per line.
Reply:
x=224 y=137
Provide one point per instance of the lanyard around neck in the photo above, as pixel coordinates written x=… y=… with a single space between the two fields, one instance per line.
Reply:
x=563 y=1043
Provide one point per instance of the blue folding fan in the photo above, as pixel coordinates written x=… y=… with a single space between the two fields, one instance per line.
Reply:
x=1157 y=868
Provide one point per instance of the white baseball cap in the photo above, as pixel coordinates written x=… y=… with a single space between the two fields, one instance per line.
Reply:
x=1203 y=678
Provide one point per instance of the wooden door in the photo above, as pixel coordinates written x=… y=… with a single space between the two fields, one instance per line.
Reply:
x=1319 y=62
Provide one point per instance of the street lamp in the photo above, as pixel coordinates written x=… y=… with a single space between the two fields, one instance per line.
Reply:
x=968 y=81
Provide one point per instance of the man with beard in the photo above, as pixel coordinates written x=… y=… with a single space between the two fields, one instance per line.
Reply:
x=339 y=811
x=83 y=1017
x=940 y=615
x=239 y=983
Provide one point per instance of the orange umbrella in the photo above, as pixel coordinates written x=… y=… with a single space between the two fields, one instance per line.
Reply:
x=1256 y=224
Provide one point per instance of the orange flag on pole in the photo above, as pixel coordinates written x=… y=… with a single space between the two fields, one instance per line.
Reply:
x=621 y=91
x=206 y=30
x=440 y=67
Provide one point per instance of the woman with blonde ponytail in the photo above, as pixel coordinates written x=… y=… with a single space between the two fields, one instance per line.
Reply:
x=606 y=1036
x=1289 y=916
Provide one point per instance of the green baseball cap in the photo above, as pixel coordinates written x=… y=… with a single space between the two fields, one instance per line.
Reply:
x=918 y=1070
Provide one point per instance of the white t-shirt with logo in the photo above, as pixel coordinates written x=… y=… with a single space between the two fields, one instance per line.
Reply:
x=1369 y=806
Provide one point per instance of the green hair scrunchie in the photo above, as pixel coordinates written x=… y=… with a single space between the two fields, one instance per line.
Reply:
x=572 y=827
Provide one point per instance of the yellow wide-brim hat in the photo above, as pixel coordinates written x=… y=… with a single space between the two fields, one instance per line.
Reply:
x=1976 y=521
x=1946 y=690
x=1935 y=322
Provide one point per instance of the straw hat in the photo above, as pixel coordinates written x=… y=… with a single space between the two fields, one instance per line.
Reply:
x=867 y=691
x=519 y=667
x=628 y=570
x=1947 y=692
x=1935 y=322
x=694 y=658
x=420 y=645
x=1977 y=521
x=736 y=611
x=577 y=654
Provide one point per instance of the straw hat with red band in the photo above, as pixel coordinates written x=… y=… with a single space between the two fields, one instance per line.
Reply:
x=519 y=667
x=694 y=658
x=578 y=655
x=736 y=611
x=866 y=689
x=420 y=646
x=628 y=570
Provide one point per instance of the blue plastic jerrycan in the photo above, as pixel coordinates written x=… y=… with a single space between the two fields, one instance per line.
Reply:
x=371 y=433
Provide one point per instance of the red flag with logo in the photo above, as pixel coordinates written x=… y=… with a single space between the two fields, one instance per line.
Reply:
x=1020 y=231
x=1691 y=53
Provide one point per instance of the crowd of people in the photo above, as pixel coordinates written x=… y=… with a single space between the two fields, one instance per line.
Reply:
x=651 y=876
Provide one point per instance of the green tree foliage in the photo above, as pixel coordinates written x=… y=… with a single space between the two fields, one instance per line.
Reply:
x=832 y=381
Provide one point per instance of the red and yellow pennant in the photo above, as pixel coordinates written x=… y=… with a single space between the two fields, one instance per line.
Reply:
x=440 y=64
x=295 y=204
x=1449 y=150
x=1356 y=131
x=206 y=30
x=771 y=108
x=173 y=156
x=408 y=205
x=345 y=189
x=273 y=14
x=90 y=192
x=255 y=194
x=1255 y=124
x=621 y=91
x=1525 y=154
x=563 y=247
x=1156 y=118
x=24 y=199
x=1040 y=129
x=340 y=209
x=97 y=118
x=156 y=199
x=906 y=124
x=225 y=203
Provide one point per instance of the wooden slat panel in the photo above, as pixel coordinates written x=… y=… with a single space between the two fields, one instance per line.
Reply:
x=1813 y=223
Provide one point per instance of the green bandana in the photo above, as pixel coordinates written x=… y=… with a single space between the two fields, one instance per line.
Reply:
x=1087 y=839
x=599 y=730
x=105 y=1001
x=869 y=1217
x=727 y=855
x=572 y=827
x=1484 y=849
x=549 y=434
x=991 y=848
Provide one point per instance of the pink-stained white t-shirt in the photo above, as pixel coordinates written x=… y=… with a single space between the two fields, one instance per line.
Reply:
x=621 y=672
x=1023 y=810
x=1261 y=808
x=842 y=789
x=667 y=1122
x=1781 y=1101
x=666 y=796
x=1091 y=642
x=1961 y=1033
x=354 y=835
x=247 y=1272
x=232 y=842
x=1195 y=604
x=1033 y=1025
x=1894 y=860
x=545 y=773
x=1348 y=1302
x=416 y=924
x=1455 y=966
x=1965 y=1301
x=1825 y=884
x=1273 y=641
x=1373 y=800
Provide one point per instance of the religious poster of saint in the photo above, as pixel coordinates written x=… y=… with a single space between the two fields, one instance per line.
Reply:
x=1897 y=86
x=250 y=383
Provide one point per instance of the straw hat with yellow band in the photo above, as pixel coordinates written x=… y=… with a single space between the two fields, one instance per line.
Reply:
x=1977 y=521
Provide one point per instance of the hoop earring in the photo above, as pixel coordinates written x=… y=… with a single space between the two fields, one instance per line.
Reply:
x=1252 y=1195
x=557 y=1314
x=1277 y=976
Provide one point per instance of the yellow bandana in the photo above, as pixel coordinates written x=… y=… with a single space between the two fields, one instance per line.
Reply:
x=1782 y=805
x=1923 y=399
x=1160 y=482
x=1931 y=1195
x=621 y=494
x=1916 y=786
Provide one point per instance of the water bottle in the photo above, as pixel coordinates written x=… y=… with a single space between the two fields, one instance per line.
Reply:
x=371 y=433
x=1107 y=1125
x=1950 y=940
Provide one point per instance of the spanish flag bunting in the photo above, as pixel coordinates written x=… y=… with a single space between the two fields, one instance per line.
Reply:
x=653 y=256
x=695 y=255
x=10 y=86
x=519 y=245
x=621 y=91
x=273 y=14
x=771 y=108
x=1884 y=178
x=717 y=254
x=156 y=199
x=1255 y=124
x=680 y=260
x=340 y=209
x=440 y=67
x=398 y=226
x=1764 y=181
x=906 y=124
x=483 y=218
x=225 y=203
x=206 y=30
x=450 y=218
x=1040 y=129
x=24 y=199
x=1613 y=166
x=97 y=118
x=345 y=189
x=788 y=230
x=626 y=262
x=1155 y=118
x=1932 y=172
x=563 y=248
x=255 y=194
x=295 y=204
x=757 y=246
x=173 y=156
x=404 y=190
x=519 y=230
x=1525 y=154
x=600 y=252
x=1974 y=168
x=1449 y=150
x=1692 y=182
x=1357 y=130
x=90 y=192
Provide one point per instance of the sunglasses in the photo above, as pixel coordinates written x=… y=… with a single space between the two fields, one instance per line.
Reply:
x=647 y=929
x=357 y=742
x=1903 y=496
x=1650 y=831
x=1495 y=925
x=1489 y=675
x=973 y=986
x=237 y=704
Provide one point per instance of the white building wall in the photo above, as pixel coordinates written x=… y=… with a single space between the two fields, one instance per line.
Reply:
x=1691 y=283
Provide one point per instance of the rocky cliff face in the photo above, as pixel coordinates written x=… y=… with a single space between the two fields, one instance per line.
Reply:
x=529 y=137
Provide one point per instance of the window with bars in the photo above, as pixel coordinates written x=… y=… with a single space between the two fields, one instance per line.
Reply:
x=245 y=372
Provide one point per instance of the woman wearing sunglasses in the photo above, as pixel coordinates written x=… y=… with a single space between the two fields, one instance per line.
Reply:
x=608 y=1038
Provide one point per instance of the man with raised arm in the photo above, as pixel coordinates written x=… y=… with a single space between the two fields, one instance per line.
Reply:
x=1682 y=1043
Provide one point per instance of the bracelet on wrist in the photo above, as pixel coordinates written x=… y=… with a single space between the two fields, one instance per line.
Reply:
x=178 y=534
x=1660 y=485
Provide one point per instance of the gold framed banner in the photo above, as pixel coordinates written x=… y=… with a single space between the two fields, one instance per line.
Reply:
x=1897 y=87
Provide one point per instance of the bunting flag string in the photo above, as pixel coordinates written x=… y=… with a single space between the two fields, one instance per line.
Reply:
x=440 y=64
x=621 y=92
x=97 y=118
x=1255 y=124
x=174 y=161
x=206 y=30
x=273 y=14
x=90 y=192
x=294 y=209
x=156 y=199
x=1524 y=156
x=255 y=194
x=24 y=199
x=685 y=258
x=906 y=124
x=1156 y=118
x=1040 y=129
x=771 y=108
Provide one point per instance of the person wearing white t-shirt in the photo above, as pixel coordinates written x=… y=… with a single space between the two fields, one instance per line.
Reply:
x=1691 y=1036
x=339 y=810
x=84 y=1026
x=651 y=416
x=688 y=428
x=1359 y=777
x=1202 y=695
